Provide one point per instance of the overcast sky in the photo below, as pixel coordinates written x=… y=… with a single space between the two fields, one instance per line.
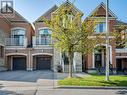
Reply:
x=32 y=9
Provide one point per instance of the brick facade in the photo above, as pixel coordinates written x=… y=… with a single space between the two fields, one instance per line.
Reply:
x=32 y=52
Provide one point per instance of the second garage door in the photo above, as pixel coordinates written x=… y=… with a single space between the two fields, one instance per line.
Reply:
x=19 y=63
x=43 y=63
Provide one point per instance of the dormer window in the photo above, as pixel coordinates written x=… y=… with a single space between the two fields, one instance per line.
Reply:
x=44 y=37
x=101 y=27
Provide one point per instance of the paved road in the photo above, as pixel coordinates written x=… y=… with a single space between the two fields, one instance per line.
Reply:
x=81 y=92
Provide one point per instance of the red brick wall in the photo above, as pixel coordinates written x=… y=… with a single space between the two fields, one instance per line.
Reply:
x=112 y=21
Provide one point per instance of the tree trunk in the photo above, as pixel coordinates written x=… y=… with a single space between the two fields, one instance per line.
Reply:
x=70 y=57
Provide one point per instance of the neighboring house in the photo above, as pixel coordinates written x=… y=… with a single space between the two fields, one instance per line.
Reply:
x=121 y=49
x=18 y=34
x=23 y=48
x=97 y=60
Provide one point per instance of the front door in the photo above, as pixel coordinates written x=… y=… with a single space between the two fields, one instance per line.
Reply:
x=98 y=60
x=119 y=64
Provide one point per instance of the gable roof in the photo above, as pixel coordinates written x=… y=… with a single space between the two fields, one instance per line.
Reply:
x=118 y=22
x=15 y=17
x=103 y=5
x=67 y=2
x=47 y=13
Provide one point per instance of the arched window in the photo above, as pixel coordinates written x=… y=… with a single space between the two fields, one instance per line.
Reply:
x=18 y=36
x=44 y=37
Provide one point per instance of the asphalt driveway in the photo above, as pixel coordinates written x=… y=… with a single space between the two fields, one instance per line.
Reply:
x=27 y=76
x=26 y=82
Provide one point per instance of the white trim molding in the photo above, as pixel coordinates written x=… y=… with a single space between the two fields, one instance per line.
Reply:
x=122 y=50
x=42 y=54
x=43 y=28
x=14 y=28
x=16 y=54
x=109 y=51
x=121 y=57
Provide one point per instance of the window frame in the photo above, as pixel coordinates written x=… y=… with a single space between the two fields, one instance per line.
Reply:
x=18 y=41
x=45 y=36
x=97 y=31
x=17 y=28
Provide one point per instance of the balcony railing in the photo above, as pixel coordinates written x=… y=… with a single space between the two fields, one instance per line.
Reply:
x=16 y=42
x=38 y=41
x=121 y=50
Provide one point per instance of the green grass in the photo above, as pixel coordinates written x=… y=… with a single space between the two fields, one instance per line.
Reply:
x=94 y=80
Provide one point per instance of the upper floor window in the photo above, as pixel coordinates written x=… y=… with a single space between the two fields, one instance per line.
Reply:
x=101 y=27
x=18 y=36
x=44 y=37
x=18 y=32
x=67 y=20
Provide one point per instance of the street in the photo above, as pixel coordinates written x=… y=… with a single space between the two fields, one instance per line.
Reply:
x=81 y=92
x=43 y=91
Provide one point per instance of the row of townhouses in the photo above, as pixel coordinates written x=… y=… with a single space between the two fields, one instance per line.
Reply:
x=23 y=47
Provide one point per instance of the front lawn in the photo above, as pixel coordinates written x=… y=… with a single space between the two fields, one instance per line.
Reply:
x=94 y=80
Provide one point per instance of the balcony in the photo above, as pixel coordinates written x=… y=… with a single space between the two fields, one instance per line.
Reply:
x=121 y=50
x=16 y=42
x=42 y=42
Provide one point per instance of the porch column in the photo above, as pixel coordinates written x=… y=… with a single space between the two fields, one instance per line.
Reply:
x=61 y=61
x=110 y=53
x=30 y=61
x=103 y=58
x=93 y=60
x=77 y=62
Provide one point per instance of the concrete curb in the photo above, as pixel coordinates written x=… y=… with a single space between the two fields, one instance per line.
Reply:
x=90 y=87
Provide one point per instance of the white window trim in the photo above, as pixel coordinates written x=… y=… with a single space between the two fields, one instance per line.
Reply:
x=42 y=29
x=104 y=32
x=15 y=28
x=18 y=28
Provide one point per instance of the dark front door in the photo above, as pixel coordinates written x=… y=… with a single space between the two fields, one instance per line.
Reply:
x=98 y=60
x=119 y=64
x=43 y=63
x=19 y=63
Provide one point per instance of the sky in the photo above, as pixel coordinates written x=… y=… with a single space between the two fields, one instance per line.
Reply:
x=33 y=9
